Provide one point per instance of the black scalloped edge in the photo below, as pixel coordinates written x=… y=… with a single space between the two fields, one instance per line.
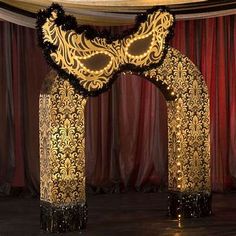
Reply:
x=69 y=22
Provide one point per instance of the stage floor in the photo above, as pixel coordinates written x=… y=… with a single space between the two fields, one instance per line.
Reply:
x=141 y=214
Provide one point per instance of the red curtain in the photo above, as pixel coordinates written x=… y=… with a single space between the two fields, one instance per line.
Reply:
x=126 y=128
x=21 y=73
x=126 y=145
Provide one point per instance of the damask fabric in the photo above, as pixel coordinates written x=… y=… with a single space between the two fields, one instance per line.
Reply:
x=131 y=157
x=62 y=144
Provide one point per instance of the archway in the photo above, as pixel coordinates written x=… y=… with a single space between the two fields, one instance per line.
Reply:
x=63 y=201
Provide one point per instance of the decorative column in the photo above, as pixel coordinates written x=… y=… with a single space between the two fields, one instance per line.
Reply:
x=62 y=159
x=188 y=135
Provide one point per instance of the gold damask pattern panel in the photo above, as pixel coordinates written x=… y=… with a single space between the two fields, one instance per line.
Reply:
x=46 y=182
x=93 y=62
x=188 y=123
x=62 y=158
x=62 y=133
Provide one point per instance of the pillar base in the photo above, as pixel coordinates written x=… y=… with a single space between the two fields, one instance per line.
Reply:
x=187 y=204
x=62 y=218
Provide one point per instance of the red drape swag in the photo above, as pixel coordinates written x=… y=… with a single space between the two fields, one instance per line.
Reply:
x=126 y=127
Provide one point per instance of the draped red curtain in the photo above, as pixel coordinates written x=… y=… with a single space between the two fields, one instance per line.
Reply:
x=126 y=137
x=22 y=70
x=126 y=127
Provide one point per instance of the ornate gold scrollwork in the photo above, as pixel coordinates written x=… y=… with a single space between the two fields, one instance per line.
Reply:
x=94 y=61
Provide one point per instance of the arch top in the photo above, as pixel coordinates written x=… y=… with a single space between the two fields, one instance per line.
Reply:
x=178 y=73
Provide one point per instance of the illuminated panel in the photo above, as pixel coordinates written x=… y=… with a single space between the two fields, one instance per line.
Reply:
x=62 y=158
x=188 y=136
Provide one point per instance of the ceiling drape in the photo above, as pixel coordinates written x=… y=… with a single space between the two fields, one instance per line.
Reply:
x=110 y=12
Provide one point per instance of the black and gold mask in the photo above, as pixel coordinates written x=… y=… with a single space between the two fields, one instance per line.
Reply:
x=90 y=63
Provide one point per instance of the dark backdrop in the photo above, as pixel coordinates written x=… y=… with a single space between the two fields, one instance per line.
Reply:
x=126 y=127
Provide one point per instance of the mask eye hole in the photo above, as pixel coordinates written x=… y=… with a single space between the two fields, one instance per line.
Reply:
x=140 y=46
x=96 y=62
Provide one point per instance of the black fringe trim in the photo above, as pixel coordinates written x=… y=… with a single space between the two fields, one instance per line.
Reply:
x=69 y=22
x=189 y=205
x=61 y=219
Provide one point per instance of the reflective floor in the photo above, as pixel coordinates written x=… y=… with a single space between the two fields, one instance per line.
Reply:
x=141 y=214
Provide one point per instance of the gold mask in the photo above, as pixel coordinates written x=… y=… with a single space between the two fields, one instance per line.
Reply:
x=91 y=63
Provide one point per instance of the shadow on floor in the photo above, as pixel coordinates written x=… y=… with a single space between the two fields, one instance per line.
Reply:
x=141 y=214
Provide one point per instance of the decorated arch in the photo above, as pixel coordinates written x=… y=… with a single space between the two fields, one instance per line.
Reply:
x=86 y=63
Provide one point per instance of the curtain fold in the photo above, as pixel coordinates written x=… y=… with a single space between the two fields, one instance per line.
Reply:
x=123 y=147
x=22 y=71
x=126 y=127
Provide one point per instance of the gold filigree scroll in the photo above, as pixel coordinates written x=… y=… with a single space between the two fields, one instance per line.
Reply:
x=93 y=62
x=61 y=129
x=188 y=123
